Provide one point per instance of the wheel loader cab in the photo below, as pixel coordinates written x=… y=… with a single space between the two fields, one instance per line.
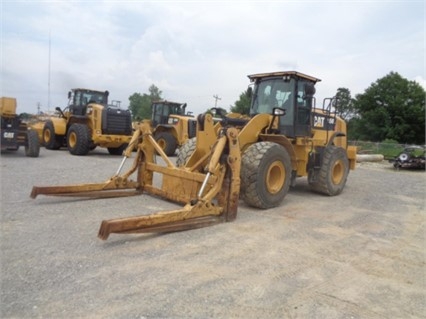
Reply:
x=291 y=91
x=80 y=98
x=161 y=110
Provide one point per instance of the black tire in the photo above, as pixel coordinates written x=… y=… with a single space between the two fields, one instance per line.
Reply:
x=331 y=178
x=78 y=139
x=32 y=147
x=117 y=150
x=50 y=140
x=265 y=174
x=185 y=151
x=167 y=142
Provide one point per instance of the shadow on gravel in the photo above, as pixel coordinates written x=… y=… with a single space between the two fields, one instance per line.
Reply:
x=114 y=240
x=54 y=200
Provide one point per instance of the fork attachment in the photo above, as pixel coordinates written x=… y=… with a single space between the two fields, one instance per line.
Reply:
x=208 y=184
x=116 y=186
x=189 y=217
x=215 y=200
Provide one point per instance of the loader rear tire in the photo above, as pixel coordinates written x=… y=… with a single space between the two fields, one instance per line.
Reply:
x=185 y=151
x=32 y=147
x=265 y=174
x=50 y=140
x=78 y=139
x=331 y=177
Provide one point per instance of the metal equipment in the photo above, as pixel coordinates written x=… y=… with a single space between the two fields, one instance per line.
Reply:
x=410 y=157
x=255 y=159
x=15 y=132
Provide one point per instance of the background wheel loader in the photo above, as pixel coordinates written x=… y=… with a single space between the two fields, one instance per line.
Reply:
x=171 y=125
x=87 y=122
x=15 y=132
x=255 y=159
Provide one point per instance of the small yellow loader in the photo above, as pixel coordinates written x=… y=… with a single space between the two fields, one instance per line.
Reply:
x=255 y=159
x=171 y=125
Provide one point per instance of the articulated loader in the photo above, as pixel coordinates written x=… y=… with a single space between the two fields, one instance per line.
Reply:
x=87 y=122
x=255 y=159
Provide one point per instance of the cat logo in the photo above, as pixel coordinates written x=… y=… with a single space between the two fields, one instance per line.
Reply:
x=319 y=121
x=9 y=135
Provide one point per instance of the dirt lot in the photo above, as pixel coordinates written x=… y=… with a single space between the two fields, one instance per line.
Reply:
x=357 y=255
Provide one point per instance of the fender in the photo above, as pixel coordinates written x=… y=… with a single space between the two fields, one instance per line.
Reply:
x=285 y=142
x=336 y=134
x=60 y=125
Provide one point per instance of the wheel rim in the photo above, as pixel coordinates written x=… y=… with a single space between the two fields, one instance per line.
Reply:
x=162 y=143
x=338 y=171
x=275 y=177
x=72 y=140
x=47 y=136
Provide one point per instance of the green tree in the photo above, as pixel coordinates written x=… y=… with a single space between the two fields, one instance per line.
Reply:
x=392 y=108
x=140 y=104
x=345 y=106
x=243 y=104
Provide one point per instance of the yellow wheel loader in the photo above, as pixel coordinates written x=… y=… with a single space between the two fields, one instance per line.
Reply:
x=171 y=125
x=87 y=122
x=255 y=159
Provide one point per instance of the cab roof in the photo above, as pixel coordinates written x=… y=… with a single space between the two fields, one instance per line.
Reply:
x=254 y=77
x=167 y=102
x=88 y=90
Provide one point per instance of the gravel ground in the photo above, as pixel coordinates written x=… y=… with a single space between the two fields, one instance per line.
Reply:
x=358 y=255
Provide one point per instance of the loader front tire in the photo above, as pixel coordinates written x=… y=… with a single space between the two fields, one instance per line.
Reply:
x=167 y=142
x=117 y=150
x=32 y=147
x=333 y=173
x=78 y=139
x=50 y=140
x=185 y=151
x=265 y=174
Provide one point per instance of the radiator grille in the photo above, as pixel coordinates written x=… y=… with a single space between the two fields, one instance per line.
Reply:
x=116 y=122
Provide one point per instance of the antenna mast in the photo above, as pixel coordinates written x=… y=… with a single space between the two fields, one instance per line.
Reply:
x=48 y=79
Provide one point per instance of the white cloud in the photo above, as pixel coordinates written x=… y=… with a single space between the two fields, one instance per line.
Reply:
x=192 y=51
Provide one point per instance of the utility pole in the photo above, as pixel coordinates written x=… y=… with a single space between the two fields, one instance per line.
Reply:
x=216 y=98
x=48 y=79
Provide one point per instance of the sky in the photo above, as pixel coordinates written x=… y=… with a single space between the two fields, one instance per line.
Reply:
x=195 y=50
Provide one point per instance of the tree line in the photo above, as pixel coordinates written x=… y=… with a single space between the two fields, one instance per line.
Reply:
x=390 y=109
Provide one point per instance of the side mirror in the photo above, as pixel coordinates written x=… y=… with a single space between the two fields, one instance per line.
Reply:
x=69 y=95
x=276 y=111
x=309 y=90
